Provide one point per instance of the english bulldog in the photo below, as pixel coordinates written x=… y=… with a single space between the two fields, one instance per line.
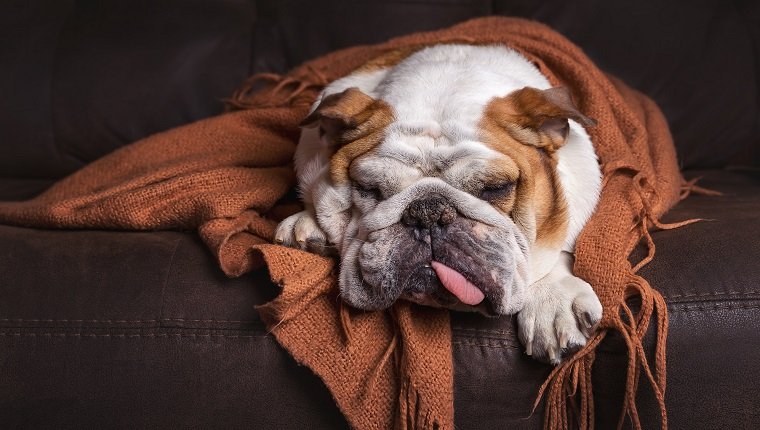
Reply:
x=453 y=176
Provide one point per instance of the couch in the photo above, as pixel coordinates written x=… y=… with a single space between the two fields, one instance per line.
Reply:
x=116 y=329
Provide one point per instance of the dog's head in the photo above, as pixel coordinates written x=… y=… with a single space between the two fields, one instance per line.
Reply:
x=441 y=213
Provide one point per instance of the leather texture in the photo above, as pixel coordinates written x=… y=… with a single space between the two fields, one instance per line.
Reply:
x=141 y=330
x=104 y=329
x=81 y=78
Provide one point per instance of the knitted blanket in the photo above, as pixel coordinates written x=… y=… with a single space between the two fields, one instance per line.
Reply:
x=224 y=176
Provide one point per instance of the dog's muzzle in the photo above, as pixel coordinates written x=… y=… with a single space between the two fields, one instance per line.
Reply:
x=429 y=218
x=442 y=247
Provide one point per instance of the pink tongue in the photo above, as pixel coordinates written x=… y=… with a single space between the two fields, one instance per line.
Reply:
x=457 y=284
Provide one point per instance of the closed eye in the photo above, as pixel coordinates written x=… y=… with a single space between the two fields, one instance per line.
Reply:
x=497 y=191
x=368 y=192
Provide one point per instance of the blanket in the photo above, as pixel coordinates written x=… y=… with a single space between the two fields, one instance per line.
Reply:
x=225 y=177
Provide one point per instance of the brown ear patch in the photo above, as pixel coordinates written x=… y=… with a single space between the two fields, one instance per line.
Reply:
x=537 y=204
x=339 y=112
x=353 y=123
x=537 y=117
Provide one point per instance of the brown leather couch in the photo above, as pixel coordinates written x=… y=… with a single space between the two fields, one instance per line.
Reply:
x=112 y=329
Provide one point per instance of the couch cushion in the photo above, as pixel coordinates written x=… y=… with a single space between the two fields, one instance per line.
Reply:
x=140 y=330
x=16 y=189
x=80 y=79
x=697 y=60
x=143 y=330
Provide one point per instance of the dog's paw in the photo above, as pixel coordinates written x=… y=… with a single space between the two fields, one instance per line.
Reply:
x=558 y=317
x=301 y=231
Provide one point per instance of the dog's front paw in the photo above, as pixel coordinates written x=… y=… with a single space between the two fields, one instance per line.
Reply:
x=558 y=317
x=301 y=231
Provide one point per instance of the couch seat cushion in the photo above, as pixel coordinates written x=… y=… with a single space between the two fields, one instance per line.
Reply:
x=141 y=329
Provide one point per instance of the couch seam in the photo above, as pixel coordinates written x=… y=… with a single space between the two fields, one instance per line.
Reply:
x=487 y=345
x=467 y=341
x=130 y=321
x=474 y=331
x=110 y=321
x=756 y=63
x=93 y=335
x=713 y=294
x=60 y=151
x=685 y=307
x=166 y=279
x=456 y=328
x=53 y=68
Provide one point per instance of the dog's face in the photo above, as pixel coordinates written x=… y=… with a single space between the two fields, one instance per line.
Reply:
x=440 y=213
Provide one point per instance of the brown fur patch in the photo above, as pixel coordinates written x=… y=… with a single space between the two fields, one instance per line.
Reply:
x=355 y=123
x=538 y=117
x=538 y=205
x=337 y=112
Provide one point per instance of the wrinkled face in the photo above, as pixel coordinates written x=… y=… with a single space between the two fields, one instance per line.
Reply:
x=413 y=210
x=435 y=213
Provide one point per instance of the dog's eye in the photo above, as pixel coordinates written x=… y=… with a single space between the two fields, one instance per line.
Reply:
x=496 y=191
x=369 y=192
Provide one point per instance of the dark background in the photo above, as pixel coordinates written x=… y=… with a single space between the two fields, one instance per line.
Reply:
x=81 y=78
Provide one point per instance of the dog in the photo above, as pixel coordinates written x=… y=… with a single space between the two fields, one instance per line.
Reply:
x=453 y=176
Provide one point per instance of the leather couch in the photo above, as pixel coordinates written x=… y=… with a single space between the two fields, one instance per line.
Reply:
x=114 y=329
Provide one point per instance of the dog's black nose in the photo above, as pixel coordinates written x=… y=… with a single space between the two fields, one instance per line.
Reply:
x=429 y=211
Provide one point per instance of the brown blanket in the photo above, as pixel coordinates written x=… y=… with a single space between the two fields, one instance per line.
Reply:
x=224 y=176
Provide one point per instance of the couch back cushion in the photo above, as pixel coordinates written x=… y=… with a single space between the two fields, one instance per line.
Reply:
x=79 y=79
x=698 y=60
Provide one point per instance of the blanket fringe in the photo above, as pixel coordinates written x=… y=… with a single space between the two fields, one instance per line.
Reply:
x=568 y=389
x=690 y=186
x=272 y=90
x=413 y=413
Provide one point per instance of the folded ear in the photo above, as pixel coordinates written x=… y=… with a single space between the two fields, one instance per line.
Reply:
x=340 y=112
x=353 y=123
x=538 y=117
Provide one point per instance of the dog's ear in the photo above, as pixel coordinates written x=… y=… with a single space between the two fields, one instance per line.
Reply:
x=539 y=117
x=353 y=123
x=340 y=113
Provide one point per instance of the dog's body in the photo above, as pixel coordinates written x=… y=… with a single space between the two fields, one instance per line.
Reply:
x=453 y=176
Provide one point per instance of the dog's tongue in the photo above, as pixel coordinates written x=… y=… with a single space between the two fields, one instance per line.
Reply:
x=457 y=284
